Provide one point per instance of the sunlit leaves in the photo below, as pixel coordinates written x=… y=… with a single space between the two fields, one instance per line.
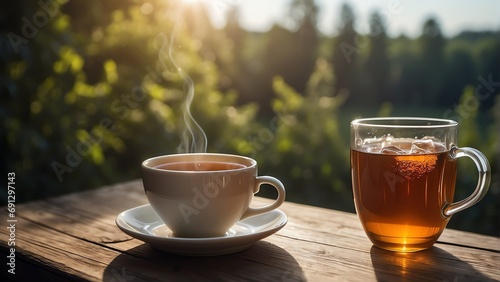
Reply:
x=35 y=107
x=17 y=69
x=69 y=60
x=289 y=98
x=307 y=145
x=164 y=112
x=61 y=22
x=89 y=146
x=110 y=71
x=45 y=87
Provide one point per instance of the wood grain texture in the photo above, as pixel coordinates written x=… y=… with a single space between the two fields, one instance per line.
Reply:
x=74 y=237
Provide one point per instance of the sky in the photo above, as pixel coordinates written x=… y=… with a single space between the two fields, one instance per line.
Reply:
x=402 y=16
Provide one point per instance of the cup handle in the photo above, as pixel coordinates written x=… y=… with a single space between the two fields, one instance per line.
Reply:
x=483 y=166
x=281 y=196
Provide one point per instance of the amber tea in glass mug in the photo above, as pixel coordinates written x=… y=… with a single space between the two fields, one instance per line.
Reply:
x=403 y=179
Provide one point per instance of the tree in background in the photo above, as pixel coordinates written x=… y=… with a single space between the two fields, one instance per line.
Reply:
x=304 y=14
x=291 y=53
x=278 y=59
x=432 y=62
x=459 y=70
x=243 y=71
x=345 y=51
x=236 y=34
x=488 y=65
x=406 y=80
x=237 y=69
x=377 y=64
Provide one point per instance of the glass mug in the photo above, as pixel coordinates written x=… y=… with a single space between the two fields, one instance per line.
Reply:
x=403 y=178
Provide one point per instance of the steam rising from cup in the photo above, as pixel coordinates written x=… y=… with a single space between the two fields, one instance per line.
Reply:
x=193 y=138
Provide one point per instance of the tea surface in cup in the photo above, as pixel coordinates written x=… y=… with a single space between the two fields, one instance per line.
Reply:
x=200 y=166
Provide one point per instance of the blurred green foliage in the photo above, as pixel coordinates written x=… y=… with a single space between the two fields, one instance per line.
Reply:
x=95 y=89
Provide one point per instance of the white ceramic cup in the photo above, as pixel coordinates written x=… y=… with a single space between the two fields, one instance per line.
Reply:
x=204 y=203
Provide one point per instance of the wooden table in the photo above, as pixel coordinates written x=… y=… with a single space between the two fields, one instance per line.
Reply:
x=74 y=237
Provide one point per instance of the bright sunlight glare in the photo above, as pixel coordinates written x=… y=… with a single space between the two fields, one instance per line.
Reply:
x=192 y=1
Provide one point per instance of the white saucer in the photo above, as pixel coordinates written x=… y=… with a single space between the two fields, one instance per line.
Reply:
x=142 y=223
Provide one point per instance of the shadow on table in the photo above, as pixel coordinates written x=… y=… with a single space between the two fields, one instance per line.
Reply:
x=263 y=261
x=432 y=264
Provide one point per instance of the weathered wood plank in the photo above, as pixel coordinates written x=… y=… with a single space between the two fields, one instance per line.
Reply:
x=72 y=257
x=67 y=256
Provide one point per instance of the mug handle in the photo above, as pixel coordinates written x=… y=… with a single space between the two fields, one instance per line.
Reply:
x=281 y=196
x=483 y=183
